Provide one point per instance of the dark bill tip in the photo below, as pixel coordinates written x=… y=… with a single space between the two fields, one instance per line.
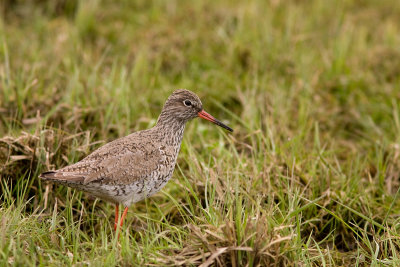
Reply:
x=204 y=115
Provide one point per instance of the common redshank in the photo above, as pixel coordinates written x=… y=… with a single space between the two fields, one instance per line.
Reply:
x=136 y=166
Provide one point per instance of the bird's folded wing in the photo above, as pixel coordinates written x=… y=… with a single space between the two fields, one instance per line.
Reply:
x=123 y=168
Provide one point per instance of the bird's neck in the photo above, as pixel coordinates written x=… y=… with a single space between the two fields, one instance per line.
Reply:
x=171 y=129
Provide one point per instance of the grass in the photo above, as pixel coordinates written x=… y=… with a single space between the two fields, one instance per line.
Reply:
x=310 y=176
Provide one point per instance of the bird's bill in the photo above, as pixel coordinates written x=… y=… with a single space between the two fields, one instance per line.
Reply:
x=204 y=115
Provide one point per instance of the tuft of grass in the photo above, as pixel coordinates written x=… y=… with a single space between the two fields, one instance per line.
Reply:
x=309 y=177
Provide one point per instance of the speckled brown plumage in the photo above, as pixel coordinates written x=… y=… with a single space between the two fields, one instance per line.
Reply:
x=136 y=166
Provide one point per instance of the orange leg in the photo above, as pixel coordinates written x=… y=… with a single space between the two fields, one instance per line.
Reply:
x=116 y=217
x=124 y=215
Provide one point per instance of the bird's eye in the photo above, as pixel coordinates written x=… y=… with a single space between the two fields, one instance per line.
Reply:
x=187 y=103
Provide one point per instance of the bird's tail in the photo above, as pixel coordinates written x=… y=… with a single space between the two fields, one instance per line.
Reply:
x=60 y=176
x=50 y=175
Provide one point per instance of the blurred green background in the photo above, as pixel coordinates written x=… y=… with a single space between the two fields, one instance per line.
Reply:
x=311 y=88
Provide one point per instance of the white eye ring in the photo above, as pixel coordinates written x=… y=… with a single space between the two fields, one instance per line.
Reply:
x=187 y=103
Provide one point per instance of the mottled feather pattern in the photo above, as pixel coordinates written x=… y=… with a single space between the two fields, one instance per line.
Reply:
x=136 y=166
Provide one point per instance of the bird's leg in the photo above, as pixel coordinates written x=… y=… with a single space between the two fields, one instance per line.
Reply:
x=116 y=216
x=123 y=215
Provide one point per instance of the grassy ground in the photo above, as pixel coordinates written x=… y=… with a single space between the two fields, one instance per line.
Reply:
x=310 y=176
